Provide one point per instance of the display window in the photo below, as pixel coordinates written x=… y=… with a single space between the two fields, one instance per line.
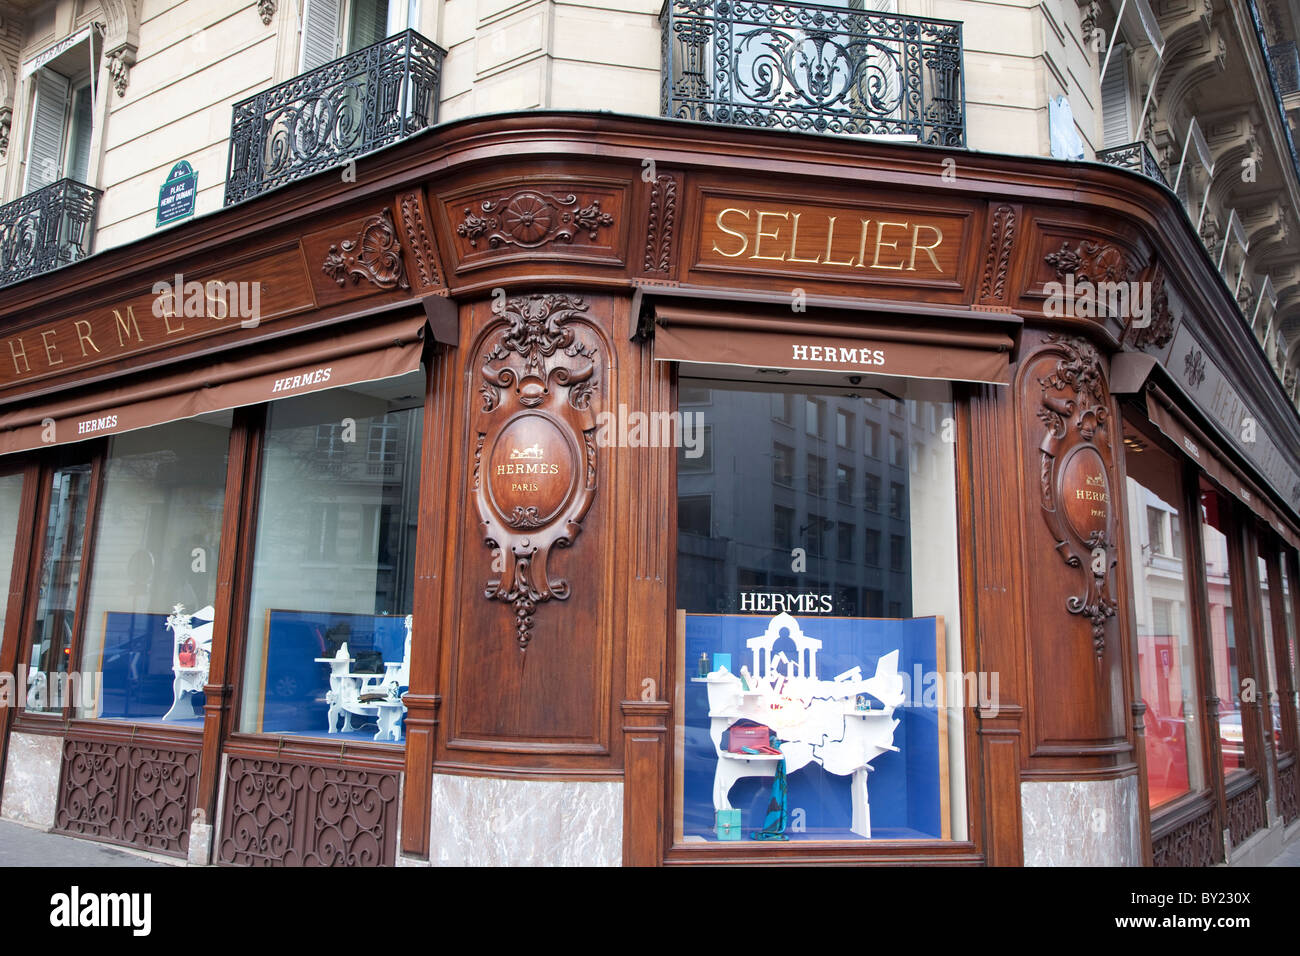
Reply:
x=1161 y=597
x=1273 y=696
x=11 y=499
x=1224 y=656
x=67 y=495
x=329 y=617
x=149 y=611
x=820 y=693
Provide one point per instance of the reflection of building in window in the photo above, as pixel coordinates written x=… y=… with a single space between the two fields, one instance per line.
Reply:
x=695 y=514
x=844 y=484
x=844 y=542
x=783 y=527
x=816 y=475
x=814 y=415
x=869 y=447
x=871 y=493
x=897 y=494
x=783 y=464
x=843 y=429
x=873 y=547
x=703 y=452
x=897 y=450
x=897 y=552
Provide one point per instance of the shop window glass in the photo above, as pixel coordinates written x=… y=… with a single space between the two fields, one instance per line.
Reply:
x=781 y=700
x=11 y=497
x=1288 y=616
x=871 y=493
x=1166 y=660
x=64 y=537
x=782 y=464
x=333 y=573
x=1270 y=658
x=843 y=428
x=157 y=537
x=1223 y=635
x=844 y=484
x=869 y=442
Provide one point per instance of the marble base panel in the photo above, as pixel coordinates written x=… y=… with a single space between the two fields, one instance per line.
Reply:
x=31 y=784
x=1081 y=822
x=489 y=821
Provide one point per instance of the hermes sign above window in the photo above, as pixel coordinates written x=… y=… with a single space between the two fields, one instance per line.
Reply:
x=843 y=241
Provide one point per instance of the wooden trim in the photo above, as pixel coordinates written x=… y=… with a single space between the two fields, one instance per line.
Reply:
x=11 y=640
x=87 y=569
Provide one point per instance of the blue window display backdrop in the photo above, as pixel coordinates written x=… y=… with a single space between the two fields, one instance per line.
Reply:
x=137 y=669
x=905 y=788
x=296 y=683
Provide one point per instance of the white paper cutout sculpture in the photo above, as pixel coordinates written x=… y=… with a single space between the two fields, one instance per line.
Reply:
x=816 y=720
x=191 y=658
x=369 y=697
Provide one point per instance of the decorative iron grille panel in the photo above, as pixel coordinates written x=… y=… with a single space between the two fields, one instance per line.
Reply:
x=799 y=66
x=45 y=229
x=1288 y=791
x=1245 y=813
x=287 y=813
x=1189 y=844
x=347 y=108
x=1134 y=156
x=118 y=792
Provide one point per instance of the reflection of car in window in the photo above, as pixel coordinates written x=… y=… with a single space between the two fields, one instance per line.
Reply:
x=1230 y=736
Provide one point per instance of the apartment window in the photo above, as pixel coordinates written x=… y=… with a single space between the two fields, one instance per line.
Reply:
x=814 y=416
x=1156 y=531
x=695 y=514
x=897 y=552
x=1223 y=632
x=814 y=535
x=844 y=484
x=783 y=407
x=897 y=450
x=816 y=475
x=844 y=541
x=870 y=440
x=782 y=464
x=897 y=499
x=384 y=435
x=783 y=527
x=1116 y=107
x=872 y=555
x=698 y=460
x=843 y=429
x=332 y=28
x=871 y=492
x=58 y=144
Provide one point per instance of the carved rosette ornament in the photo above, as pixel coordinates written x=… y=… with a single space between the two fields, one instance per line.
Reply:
x=531 y=218
x=1074 y=484
x=1194 y=367
x=535 y=450
x=374 y=255
x=1092 y=262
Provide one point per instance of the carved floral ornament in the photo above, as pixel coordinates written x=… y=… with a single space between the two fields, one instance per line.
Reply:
x=535 y=450
x=374 y=255
x=530 y=218
x=1101 y=280
x=1074 y=482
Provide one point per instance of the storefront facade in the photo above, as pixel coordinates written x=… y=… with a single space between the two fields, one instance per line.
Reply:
x=486 y=379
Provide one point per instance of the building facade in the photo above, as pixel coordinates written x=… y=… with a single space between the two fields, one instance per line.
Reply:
x=550 y=433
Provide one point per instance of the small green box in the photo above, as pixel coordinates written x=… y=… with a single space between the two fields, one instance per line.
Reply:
x=727 y=824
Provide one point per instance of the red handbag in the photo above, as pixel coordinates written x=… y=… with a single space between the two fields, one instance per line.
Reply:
x=188 y=649
x=754 y=737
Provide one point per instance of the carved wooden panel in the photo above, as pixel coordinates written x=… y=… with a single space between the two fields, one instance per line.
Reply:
x=1071 y=502
x=290 y=813
x=1245 y=813
x=1003 y=228
x=535 y=447
x=661 y=225
x=417 y=239
x=355 y=259
x=531 y=640
x=127 y=793
x=574 y=219
x=1192 y=843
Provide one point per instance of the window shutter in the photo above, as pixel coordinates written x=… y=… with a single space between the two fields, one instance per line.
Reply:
x=49 y=122
x=320 y=32
x=1116 y=119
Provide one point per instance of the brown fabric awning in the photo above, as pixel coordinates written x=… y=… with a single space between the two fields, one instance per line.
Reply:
x=1192 y=442
x=713 y=338
x=294 y=366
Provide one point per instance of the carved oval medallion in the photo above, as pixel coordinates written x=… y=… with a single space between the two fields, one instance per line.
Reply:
x=532 y=471
x=1085 y=492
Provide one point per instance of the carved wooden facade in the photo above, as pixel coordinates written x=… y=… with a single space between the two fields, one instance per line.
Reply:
x=544 y=599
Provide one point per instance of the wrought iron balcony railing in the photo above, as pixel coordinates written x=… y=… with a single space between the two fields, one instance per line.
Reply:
x=782 y=64
x=1286 y=63
x=1134 y=156
x=347 y=108
x=47 y=228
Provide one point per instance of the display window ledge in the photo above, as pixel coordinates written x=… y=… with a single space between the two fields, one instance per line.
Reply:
x=382 y=756
x=796 y=852
x=1169 y=816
